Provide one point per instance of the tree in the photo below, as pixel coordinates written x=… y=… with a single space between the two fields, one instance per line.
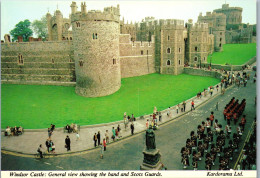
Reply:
x=22 y=29
x=40 y=28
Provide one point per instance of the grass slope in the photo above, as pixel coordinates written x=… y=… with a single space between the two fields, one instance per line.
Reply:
x=235 y=54
x=35 y=106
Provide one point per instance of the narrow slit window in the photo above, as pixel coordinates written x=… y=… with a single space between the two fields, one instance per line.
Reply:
x=196 y=59
x=52 y=61
x=96 y=35
x=168 y=38
x=196 y=48
x=142 y=52
x=179 y=50
x=114 y=61
x=179 y=62
x=168 y=62
x=20 y=59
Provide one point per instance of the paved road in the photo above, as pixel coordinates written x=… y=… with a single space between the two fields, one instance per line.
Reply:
x=127 y=154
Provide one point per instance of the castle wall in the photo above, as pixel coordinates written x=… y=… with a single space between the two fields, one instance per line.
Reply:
x=136 y=58
x=41 y=61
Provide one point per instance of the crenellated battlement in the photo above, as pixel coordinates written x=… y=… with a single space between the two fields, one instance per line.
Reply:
x=108 y=14
x=199 y=26
x=172 y=23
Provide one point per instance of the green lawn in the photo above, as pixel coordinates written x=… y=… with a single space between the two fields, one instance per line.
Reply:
x=34 y=106
x=235 y=54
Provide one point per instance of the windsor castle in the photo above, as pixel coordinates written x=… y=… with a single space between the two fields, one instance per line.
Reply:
x=93 y=50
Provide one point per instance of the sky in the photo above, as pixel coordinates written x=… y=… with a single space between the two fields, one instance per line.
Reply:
x=13 y=11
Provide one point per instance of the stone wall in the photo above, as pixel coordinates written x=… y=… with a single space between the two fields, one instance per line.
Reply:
x=37 y=61
x=200 y=72
x=136 y=58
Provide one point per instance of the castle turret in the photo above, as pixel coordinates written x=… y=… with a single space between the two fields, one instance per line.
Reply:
x=96 y=51
x=73 y=7
x=49 y=26
x=57 y=26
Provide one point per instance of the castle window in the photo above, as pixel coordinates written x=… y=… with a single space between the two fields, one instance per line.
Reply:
x=196 y=59
x=52 y=61
x=219 y=44
x=196 y=48
x=81 y=63
x=142 y=52
x=220 y=39
x=70 y=38
x=77 y=24
x=114 y=61
x=20 y=59
x=147 y=52
x=168 y=50
x=93 y=36
x=204 y=58
x=179 y=50
x=168 y=37
x=179 y=62
x=168 y=62
x=96 y=35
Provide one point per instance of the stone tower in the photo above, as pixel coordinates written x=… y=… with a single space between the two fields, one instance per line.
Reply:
x=96 y=50
x=199 y=43
x=233 y=14
x=55 y=26
x=217 y=27
x=172 y=47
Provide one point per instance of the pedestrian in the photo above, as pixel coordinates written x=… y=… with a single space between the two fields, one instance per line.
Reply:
x=216 y=109
x=147 y=124
x=118 y=130
x=169 y=112
x=47 y=144
x=67 y=143
x=40 y=150
x=101 y=151
x=132 y=128
x=217 y=87
x=107 y=136
x=95 y=139
x=177 y=108
x=184 y=105
x=211 y=91
x=98 y=137
x=113 y=133
x=105 y=144
x=160 y=116
x=49 y=133
x=243 y=122
x=77 y=136
x=211 y=117
x=192 y=105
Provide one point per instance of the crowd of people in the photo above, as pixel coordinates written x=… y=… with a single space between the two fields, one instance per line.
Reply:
x=14 y=131
x=72 y=128
x=248 y=161
x=212 y=142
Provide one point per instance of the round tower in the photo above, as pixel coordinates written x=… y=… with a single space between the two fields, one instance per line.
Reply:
x=57 y=25
x=96 y=51
x=49 y=26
